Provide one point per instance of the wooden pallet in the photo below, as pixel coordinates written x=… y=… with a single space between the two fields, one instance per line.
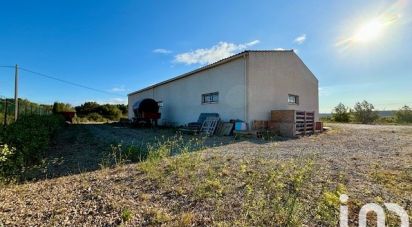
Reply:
x=224 y=129
x=293 y=123
x=209 y=126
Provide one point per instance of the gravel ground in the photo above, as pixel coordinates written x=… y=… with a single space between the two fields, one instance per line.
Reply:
x=374 y=161
x=351 y=149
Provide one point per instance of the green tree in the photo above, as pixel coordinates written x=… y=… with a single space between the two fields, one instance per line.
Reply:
x=110 y=112
x=87 y=108
x=364 y=112
x=59 y=107
x=341 y=113
x=123 y=108
x=95 y=117
x=404 y=115
x=106 y=111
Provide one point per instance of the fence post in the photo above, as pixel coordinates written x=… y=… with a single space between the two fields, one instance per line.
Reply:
x=16 y=94
x=5 y=112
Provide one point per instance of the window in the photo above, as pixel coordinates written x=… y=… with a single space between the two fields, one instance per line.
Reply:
x=210 y=98
x=293 y=99
x=160 y=103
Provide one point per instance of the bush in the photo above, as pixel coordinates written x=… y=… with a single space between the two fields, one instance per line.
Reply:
x=326 y=119
x=27 y=140
x=341 y=113
x=385 y=120
x=363 y=112
x=7 y=164
x=10 y=118
x=59 y=107
x=108 y=111
x=404 y=115
x=95 y=117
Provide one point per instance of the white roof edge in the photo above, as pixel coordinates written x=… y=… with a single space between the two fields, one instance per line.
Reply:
x=225 y=60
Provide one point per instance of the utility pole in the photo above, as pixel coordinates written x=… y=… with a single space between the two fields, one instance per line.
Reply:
x=16 y=93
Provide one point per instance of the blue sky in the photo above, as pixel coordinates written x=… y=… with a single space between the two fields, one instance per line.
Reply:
x=121 y=46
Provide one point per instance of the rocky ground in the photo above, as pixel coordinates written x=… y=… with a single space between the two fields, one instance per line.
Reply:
x=233 y=182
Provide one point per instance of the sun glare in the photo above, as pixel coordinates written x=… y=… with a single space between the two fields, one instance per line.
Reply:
x=369 y=31
x=372 y=30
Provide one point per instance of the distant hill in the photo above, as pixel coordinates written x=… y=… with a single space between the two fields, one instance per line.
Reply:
x=381 y=113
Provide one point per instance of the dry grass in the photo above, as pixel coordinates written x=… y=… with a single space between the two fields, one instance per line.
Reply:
x=247 y=183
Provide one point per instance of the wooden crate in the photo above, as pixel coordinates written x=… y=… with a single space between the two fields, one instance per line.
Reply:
x=273 y=126
x=258 y=125
x=283 y=116
x=293 y=123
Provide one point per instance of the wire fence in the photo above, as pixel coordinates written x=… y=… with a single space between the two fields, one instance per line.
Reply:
x=8 y=108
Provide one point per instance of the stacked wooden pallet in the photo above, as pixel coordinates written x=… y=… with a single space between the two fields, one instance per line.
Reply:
x=293 y=123
x=304 y=122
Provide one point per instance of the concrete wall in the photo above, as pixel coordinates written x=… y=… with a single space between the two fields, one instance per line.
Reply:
x=272 y=76
x=182 y=98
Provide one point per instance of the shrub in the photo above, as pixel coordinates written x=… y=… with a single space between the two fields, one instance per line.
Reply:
x=108 y=111
x=385 y=120
x=404 y=115
x=341 y=113
x=363 y=112
x=10 y=119
x=95 y=117
x=7 y=164
x=29 y=138
x=59 y=107
x=87 y=108
x=326 y=119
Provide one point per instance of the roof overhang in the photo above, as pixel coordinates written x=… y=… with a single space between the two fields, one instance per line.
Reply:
x=220 y=62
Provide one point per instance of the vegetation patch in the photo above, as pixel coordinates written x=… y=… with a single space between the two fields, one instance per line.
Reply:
x=249 y=192
x=25 y=143
x=364 y=112
x=126 y=215
x=243 y=183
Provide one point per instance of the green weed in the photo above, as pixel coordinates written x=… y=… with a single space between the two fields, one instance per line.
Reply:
x=164 y=148
x=276 y=195
x=126 y=215
x=327 y=210
x=155 y=216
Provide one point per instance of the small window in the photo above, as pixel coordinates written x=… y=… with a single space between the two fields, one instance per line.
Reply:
x=293 y=99
x=210 y=98
x=160 y=103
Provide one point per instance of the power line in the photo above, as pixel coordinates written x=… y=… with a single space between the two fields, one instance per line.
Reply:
x=68 y=82
x=63 y=81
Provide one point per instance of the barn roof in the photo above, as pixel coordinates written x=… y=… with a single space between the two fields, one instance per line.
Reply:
x=206 y=67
